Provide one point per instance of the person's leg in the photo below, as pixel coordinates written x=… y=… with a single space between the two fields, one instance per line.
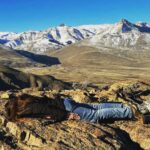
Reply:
x=69 y=104
x=106 y=105
x=104 y=112
x=86 y=114
x=85 y=111
x=113 y=113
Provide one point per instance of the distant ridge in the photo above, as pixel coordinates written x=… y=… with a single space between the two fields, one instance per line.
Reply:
x=20 y=58
x=124 y=34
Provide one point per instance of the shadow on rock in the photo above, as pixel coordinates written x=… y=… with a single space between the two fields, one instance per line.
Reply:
x=122 y=135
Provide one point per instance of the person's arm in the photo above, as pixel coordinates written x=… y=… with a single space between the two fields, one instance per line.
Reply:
x=70 y=116
x=57 y=114
x=73 y=116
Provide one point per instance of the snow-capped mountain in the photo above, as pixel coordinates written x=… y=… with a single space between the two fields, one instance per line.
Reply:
x=121 y=34
x=52 y=38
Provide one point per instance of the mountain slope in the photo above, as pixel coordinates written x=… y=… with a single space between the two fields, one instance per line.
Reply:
x=12 y=58
x=14 y=79
x=90 y=56
x=123 y=35
x=20 y=58
x=87 y=64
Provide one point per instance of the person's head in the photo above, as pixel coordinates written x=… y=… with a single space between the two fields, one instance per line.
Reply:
x=19 y=105
x=11 y=109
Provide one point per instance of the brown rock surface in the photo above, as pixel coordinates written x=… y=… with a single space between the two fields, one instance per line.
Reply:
x=34 y=134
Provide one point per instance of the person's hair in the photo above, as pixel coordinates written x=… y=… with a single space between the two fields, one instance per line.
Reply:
x=11 y=109
x=16 y=106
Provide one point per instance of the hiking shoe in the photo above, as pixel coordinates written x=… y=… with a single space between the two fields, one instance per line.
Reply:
x=146 y=119
x=144 y=108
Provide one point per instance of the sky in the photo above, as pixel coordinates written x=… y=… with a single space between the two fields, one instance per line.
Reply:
x=24 y=15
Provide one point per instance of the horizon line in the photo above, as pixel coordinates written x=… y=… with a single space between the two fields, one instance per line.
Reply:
x=54 y=26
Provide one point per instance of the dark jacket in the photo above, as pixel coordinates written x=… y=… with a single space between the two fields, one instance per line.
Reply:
x=36 y=107
x=54 y=108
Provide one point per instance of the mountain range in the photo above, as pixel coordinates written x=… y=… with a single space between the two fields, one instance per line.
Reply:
x=52 y=38
x=123 y=34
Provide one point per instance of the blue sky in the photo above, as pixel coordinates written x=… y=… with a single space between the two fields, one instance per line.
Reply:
x=22 y=15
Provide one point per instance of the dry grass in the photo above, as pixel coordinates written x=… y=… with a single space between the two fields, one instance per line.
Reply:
x=87 y=64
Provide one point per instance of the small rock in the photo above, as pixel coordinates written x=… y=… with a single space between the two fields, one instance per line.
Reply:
x=5 y=95
x=30 y=139
x=8 y=94
x=2 y=121
x=13 y=129
x=24 y=135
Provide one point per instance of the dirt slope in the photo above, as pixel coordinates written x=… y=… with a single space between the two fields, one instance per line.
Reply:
x=20 y=58
x=15 y=79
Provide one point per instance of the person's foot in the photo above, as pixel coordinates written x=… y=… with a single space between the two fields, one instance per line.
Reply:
x=73 y=116
x=144 y=108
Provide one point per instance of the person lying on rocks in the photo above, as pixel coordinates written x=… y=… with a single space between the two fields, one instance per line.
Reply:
x=64 y=109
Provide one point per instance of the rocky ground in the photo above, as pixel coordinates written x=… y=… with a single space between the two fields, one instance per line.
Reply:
x=37 y=134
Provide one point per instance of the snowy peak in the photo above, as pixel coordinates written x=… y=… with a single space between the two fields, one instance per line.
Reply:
x=65 y=34
x=143 y=27
x=125 y=21
x=123 y=33
x=124 y=26
x=52 y=38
